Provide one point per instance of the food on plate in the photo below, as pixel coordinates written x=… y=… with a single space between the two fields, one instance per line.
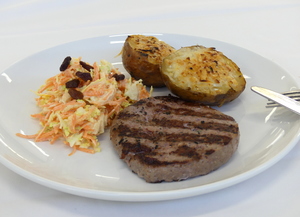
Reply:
x=79 y=103
x=142 y=57
x=202 y=74
x=164 y=138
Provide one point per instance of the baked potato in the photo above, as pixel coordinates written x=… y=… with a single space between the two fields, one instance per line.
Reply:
x=197 y=73
x=142 y=57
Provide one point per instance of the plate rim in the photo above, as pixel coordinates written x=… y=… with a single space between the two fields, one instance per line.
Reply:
x=150 y=196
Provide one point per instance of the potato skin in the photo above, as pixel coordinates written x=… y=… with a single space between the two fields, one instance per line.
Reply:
x=142 y=57
x=197 y=73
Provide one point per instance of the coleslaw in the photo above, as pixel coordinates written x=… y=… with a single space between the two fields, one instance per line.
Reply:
x=80 y=102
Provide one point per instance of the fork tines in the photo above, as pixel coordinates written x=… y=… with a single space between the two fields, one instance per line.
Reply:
x=295 y=94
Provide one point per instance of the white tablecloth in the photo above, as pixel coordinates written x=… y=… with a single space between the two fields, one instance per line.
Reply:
x=268 y=28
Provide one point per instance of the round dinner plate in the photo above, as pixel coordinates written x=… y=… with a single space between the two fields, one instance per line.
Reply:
x=266 y=134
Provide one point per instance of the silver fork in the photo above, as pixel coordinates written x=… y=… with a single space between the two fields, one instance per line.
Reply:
x=294 y=94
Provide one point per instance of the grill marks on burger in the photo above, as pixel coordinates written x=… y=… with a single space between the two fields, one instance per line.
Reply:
x=165 y=122
x=197 y=138
x=184 y=133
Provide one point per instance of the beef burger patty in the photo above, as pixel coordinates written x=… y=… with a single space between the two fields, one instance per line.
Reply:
x=164 y=138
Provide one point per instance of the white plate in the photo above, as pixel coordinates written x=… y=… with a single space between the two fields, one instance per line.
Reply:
x=266 y=134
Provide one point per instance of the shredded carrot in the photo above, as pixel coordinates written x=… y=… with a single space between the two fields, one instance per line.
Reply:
x=80 y=121
x=26 y=136
x=74 y=150
x=96 y=72
x=54 y=138
x=86 y=150
x=44 y=87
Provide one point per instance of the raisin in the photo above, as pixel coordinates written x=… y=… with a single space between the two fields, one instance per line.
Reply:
x=119 y=77
x=72 y=83
x=86 y=66
x=75 y=94
x=84 y=75
x=65 y=64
